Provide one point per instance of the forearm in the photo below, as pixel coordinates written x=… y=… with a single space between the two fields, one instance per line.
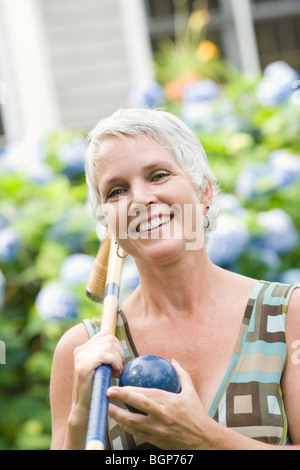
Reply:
x=76 y=429
x=223 y=438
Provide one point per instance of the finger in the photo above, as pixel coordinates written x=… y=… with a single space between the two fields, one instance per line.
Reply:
x=184 y=377
x=87 y=359
x=105 y=337
x=149 y=428
x=113 y=361
x=147 y=400
x=133 y=423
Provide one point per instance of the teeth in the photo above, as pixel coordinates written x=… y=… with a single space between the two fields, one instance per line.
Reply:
x=154 y=223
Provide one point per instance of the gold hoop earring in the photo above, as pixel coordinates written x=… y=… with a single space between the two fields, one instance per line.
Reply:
x=206 y=226
x=118 y=254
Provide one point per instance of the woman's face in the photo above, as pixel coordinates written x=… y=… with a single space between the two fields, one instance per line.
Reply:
x=150 y=204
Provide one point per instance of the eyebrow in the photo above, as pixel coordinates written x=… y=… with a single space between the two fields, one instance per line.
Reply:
x=146 y=168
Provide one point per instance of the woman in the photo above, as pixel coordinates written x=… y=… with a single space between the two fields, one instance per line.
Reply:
x=150 y=181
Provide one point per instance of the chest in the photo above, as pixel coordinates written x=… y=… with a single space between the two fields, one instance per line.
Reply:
x=201 y=348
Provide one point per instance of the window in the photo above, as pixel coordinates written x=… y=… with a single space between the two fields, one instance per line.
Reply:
x=276 y=24
x=277 y=27
x=161 y=19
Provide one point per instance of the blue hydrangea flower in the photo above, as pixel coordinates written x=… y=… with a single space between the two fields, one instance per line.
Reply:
x=40 y=173
x=76 y=269
x=253 y=181
x=200 y=90
x=229 y=203
x=290 y=276
x=225 y=115
x=33 y=152
x=70 y=233
x=2 y=289
x=130 y=278
x=198 y=116
x=271 y=92
x=281 y=71
x=146 y=95
x=281 y=170
x=228 y=241
x=270 y=260
x=56 y=302
x=3 y=222
x=284 y=167
x=9 y=244
x=72 y=155
x=276 y=84
x=278 y=231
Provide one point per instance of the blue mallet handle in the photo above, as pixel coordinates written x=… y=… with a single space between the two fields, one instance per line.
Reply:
x=96 y=434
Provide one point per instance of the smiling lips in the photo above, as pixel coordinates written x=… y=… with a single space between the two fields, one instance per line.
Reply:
x=153 y=223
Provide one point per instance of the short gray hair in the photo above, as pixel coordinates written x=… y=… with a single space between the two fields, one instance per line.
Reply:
x=165 y=129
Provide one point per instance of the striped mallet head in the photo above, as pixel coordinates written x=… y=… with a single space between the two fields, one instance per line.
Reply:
x=95 y=289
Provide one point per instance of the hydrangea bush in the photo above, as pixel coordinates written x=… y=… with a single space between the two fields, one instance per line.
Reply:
x=48 y=242
x=250 y=128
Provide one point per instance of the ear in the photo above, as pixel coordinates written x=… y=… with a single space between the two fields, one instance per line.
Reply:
x=207 y=196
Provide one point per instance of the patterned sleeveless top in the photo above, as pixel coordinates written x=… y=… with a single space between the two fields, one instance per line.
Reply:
x=249 y=399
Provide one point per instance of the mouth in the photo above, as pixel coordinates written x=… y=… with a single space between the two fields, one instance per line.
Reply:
x=154 y=223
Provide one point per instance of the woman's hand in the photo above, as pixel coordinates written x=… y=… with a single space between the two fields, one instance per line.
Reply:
x=173 y=421
x=75 y=359
x=103 y=348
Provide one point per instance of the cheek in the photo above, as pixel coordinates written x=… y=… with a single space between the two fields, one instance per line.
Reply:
x=111 y=216
x=192 y=226
x=192 y=217
x=116 y=219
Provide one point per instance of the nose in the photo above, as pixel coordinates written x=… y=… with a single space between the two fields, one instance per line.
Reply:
x=141 y=195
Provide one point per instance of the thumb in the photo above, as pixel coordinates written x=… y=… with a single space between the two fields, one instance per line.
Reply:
x=184 y=376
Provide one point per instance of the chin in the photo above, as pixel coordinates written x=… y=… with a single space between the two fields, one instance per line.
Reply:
x=161 y=252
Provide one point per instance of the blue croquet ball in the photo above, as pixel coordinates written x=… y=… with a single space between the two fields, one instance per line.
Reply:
x=150 y=372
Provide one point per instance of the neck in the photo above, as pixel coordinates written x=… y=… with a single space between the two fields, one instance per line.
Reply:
x=179 y=287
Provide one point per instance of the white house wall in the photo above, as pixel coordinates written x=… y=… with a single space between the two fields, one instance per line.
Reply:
x=88 y=57
x=30 y=108
x=10 y=103
x=79 y=57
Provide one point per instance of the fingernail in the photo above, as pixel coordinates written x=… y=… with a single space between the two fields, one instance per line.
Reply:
x=112 y=391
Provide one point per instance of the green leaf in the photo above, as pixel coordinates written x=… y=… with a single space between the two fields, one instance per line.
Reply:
x=49 y=259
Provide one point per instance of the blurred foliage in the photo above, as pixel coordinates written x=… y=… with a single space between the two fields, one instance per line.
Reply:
x=190 y=57
x=250 y=129
x=49 y=220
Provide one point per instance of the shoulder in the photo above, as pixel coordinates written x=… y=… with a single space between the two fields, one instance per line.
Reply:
x=63 y=358
x=293 y=315
x=71 y=339
x=291 y=376
x=294 y=303
x=61 y=382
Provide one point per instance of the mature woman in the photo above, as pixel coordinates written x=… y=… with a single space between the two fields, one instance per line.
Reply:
x=231 y=338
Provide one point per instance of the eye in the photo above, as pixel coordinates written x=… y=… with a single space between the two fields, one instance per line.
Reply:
x=114 y=193
x=159 y=175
